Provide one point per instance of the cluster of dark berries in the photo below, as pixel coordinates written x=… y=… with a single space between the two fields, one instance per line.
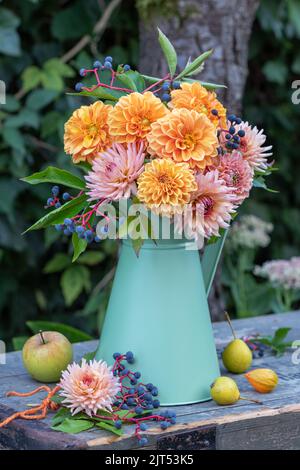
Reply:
x=258 y=349
x=98 y=66
x=233 y=136
x=69 y=227
x=55 y=200
x=166 y=89
x=137 y=398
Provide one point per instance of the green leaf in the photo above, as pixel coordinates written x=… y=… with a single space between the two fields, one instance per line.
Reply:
x=92 y=258
x=56 y=66
x=39 y=99
x=280 y=335
x=137 y=245
x=294 y=14
x=190 y=68
x=109 y=427
x=8 y=19
x=51 y=80
x=26 y=118
x=73 y=334
x=57 y=216
x=89 y=356
x=275 y=71
x=169 y=51
x=102 y=93
x=74 y=426
x=31 y=77
x=79 y=246
x=60 y=415
x=259 y=182
x=9 y=42
x=14 y=139
x=74 y=280
x=57 y=264
x=207 y=85
x=56 y=176
x=18 y=342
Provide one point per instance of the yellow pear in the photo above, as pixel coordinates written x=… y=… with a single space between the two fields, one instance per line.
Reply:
x=224 y=391
x=237 y=356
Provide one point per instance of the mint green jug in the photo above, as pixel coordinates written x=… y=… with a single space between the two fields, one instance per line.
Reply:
x=158 y=310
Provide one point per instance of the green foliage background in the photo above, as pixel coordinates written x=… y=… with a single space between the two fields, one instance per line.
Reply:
x=34 y=35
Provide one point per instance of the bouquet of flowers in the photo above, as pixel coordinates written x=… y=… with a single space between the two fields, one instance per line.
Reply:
x=164 y=143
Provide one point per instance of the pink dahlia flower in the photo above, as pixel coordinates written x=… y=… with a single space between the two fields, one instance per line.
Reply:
x=114 y=172
x=251 y=146
x=211 y=207
x=89 y=387
x=237 y=174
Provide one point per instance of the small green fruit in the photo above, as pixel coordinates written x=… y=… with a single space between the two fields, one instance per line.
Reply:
x=46 y=355
x=224 y=391
x=237 y=356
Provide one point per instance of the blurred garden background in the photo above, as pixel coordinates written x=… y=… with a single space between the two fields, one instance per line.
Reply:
x=42 y=46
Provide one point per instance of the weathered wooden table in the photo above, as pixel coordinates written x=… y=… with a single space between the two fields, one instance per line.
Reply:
x=273 y=425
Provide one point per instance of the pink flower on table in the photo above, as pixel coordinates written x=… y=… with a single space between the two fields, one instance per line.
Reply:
x=237 y=174
x=211 y=207
x=115 y=171
x=89 y=387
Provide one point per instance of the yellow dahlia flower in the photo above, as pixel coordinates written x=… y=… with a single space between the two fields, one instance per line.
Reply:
x=195 y=96
x=87 y=133
x=165 y=186
x=131 y=118
x=184 y=136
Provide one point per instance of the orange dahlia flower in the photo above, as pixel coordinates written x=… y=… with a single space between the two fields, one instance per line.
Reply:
x=195 y=96
x=131 y=118
x=165 y=186
x=184 y=136
x=87 y=133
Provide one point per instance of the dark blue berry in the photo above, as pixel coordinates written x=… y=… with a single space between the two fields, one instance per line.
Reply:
x=147 y=397
x=232 y=130
x=67 y=232
x=57 y=205
x=260 y=353
x=241 y=133
x=97 y=64
x=173 y=420
x=166 y=97
x=235 y=146
x=129 y=357
x=238 y=120
x=156 y=403
x=107 y=64
x=124 y=407
x=79 y=229
x=50 y=201
x=82 y=72
x=68 y=221
x=176 y=85
x=126 y=67
x=89 y=236
x=214 y=112
x=140 y=390
x=165 y=86
x=137 y=375
x=138 y=410
x=78 y=86
x=228 y=136
x=108 y=59
x=97 y=239
x=124 y=372
x=229 y=145
x=118 y=424
x=232 y=117
x=143 y=427
x=66 y=196
x=131 y=401
x=55 y=191
x=149 y=406
x=59 y=227
x=154 y=391
x=133 y=381
x=116 y=355
x=236 y=138
x=164 y=425
x=149 y=387
x=143 y=441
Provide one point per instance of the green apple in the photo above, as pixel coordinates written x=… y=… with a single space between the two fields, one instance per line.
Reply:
x=46 y=355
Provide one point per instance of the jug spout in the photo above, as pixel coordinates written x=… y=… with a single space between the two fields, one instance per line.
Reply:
x=210 y=260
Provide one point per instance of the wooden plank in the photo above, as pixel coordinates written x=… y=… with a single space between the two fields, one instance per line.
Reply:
x=203 y=425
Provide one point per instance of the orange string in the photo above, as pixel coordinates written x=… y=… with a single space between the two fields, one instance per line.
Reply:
x=37 y=412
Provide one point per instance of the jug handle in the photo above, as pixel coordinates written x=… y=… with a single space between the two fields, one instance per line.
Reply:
x=210 y=260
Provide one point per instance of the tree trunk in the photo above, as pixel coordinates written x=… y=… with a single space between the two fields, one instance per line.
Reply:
x=194 y=27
